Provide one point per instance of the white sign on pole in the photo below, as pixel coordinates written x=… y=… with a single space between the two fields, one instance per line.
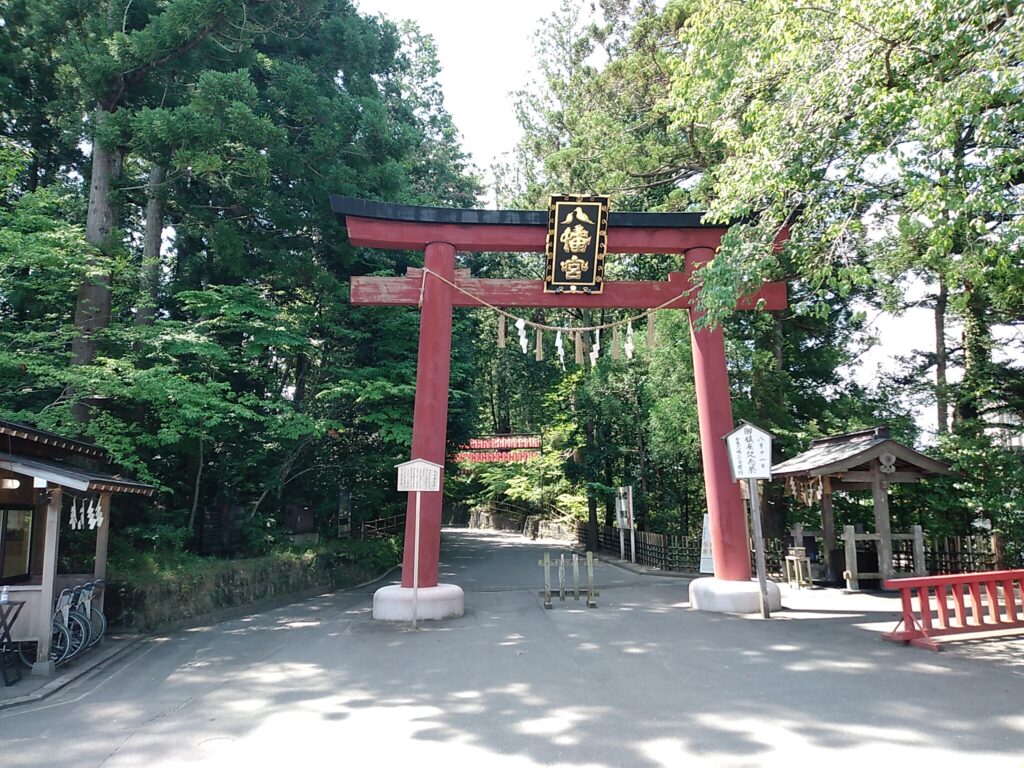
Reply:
x=750 y=459
x=750 y=452
x=624 y=507
x=419 y=475
x=707 y=562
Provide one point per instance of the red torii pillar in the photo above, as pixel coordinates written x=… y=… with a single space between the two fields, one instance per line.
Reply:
x=439 y=233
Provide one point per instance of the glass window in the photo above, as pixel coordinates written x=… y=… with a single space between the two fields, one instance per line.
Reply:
x=15 y=542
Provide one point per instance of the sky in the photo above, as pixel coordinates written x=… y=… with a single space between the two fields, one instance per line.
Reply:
x=485 y=51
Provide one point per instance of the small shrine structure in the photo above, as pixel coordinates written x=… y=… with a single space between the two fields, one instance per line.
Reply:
x=867 y=460
x=41 y=475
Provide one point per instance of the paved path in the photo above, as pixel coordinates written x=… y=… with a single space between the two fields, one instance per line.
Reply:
x=640 y=681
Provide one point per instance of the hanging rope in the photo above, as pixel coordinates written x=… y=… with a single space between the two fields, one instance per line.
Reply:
x=567 y=328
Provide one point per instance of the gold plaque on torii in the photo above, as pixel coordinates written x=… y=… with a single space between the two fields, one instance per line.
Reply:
x=576 y=244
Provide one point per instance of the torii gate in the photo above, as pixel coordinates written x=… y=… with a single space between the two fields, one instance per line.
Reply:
x=440 y=233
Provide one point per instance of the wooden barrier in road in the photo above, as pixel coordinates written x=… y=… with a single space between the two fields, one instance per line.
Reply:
x=981 y=602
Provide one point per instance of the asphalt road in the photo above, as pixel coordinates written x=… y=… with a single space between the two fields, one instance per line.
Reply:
x=640 y=681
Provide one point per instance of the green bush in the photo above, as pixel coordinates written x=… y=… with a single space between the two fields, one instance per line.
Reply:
x=150 y=590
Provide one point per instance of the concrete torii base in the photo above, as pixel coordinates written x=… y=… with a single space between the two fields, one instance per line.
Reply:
x=394 y=603
x=721 y=596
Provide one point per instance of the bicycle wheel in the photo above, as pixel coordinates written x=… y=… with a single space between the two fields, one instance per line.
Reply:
x=84 y=618
x=60 y=645
x=78 y=627
x=98 y=622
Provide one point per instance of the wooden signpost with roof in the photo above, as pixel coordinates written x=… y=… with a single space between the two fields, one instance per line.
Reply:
x=565 y=236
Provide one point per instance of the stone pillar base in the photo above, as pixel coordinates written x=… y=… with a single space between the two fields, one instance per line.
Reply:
x=394 y=603
x=43 y=669
x=721 y=596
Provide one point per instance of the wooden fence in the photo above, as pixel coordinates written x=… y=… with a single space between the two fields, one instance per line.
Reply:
x=954 y=554
x=381 y=527
x=656 y=550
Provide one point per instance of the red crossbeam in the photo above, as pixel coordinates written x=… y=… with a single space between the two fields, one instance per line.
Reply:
x=982 y=602
x=618 y=294
x=414 y=236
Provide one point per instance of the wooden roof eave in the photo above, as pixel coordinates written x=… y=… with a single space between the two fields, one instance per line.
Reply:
x=72 y=477
x=919 y=461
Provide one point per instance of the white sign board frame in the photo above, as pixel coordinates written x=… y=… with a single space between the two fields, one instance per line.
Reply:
x=750 y=459
x=419 y=475
x=750 y=452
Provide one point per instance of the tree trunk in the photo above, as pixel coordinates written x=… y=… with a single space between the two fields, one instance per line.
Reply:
x=195 y=489
x=592 y=537
x=92 y=307
x=941 y=391
x=977 y=358
x=149 y=276
x=609 y=503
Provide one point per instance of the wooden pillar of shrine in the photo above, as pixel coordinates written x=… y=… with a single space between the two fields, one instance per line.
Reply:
x=430 y=412
x=714 y=411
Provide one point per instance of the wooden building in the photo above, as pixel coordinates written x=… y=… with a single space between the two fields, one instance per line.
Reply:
x=41 y=476
x=868 y=460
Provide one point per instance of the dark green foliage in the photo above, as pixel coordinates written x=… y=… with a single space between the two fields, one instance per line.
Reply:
x=256 y=383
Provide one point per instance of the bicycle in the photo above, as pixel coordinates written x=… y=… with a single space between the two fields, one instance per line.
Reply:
x=76 y=622
x=97 y=621
x=60 y=646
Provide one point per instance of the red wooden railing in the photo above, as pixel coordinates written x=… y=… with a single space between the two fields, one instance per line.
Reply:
x=981 y=602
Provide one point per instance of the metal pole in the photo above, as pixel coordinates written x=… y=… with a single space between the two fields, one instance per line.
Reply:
x=416 y=563
x=762 y=579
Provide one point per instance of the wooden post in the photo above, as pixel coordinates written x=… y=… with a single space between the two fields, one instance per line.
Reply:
x=561 y=577
x=714 y=413
x=828 y=529
x=591 y=593
x=546 y=565
x=762 y=578
x=102 y=535
x=850 y=540
x=998 y=554
x=920 y=567
x=575 y=576
x=44 y=618
x=797 y=532
x=430 y=411
x=882 y=524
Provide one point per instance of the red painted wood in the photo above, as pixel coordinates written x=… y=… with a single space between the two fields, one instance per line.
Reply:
x=618 y=294
x=440 y=241
x=714 y=412
x=1010 y=598
x=925 y=607
x=430 y=412
x=958 y=605
x=941 y=591
x=976 y=610
x=993 y=601
x=414 y=236
x=917 y=627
